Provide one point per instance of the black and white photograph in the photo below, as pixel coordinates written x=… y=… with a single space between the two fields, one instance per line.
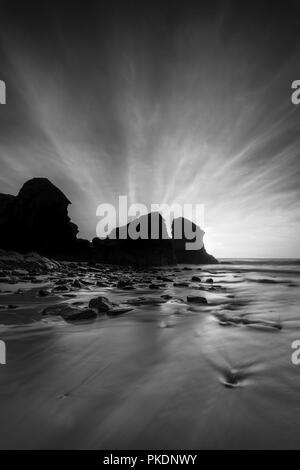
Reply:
x=149 y=228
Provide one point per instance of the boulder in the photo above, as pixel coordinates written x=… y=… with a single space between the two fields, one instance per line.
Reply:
x=101 y=304
x=44 y=293
x=76 y=314
x=124 y=284
x=196 y=299
x=69 y=312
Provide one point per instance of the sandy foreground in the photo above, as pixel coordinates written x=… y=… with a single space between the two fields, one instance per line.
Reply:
x=168 y=374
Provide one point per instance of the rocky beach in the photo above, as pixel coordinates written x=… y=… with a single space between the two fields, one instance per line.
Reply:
x=107 y=356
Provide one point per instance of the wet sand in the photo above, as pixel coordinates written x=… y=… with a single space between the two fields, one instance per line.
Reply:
x=169 y=374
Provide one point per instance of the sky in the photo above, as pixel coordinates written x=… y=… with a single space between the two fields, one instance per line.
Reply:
x=165 y=102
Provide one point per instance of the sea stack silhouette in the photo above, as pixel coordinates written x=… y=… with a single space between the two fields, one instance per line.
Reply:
x=37 y=220
x=145 y=252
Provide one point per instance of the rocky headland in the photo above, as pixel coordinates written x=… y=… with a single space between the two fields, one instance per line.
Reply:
x=37 y=220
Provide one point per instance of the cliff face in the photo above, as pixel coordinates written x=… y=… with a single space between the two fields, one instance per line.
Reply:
x=36 y=219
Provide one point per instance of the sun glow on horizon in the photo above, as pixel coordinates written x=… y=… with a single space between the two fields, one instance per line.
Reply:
x=196 y=123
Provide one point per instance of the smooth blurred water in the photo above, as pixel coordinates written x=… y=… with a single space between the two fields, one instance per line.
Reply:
x=158 y=377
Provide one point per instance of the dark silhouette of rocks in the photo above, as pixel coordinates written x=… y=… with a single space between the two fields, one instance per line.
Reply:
x=30 y=262
x=101 y=304
x=144 y=252
x=36 y=220
x=160 y=251
x=199 y=256
x=7 y=203
x=196 y=299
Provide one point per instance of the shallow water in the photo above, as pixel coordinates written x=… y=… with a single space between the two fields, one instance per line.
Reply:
x=174 y=375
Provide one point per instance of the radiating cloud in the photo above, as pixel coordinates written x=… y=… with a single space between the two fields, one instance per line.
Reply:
x=164 y=103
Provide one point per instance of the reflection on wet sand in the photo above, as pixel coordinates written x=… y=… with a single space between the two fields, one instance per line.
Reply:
x=167 y=373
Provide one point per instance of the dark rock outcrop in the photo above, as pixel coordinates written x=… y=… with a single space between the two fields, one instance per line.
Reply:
x=160 y=251
x=189 y=233
x=143 y=252
x=7 y=204
x=28 y=262
x=196 y=299
x=37 y=220
x=101 y=304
